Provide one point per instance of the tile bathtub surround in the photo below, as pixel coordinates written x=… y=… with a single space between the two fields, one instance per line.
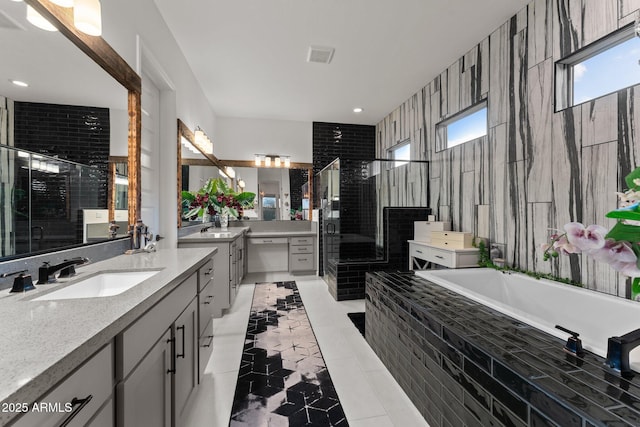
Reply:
x=463 y=363
x=283 y=379
x=537 y=169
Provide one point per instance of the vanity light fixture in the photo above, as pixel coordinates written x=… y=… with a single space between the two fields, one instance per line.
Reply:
x=231 y=173
x=241 y=183
x=19 y=83
x=268 y=160
x=87 y=17
x=202 y=141
x=358 y=110
x=38 y=20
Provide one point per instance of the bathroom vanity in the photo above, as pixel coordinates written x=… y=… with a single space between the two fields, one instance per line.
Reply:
x=230 y=263
x=135 y=357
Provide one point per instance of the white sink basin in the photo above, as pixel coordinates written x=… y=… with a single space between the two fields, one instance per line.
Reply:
x=99 y=285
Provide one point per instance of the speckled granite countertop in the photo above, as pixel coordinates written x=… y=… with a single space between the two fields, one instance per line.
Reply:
x=214 y=235
x=43 y=341
x=217 y=235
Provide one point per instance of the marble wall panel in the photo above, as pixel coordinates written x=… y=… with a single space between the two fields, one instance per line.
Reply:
x=467 y=205
x=597 y=117
x=567 y=34
x=597 y=189
x=453 y=88
x=540 y=107
x=518 y=116
x=628 y=132
x=540 y=224
x=537 y=169
x=627 y=7
x=599 y=19
x=499 y=48
x=539 y=31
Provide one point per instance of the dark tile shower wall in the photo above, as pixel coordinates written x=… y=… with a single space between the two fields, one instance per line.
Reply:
x=76 y=133
x=462 y=363
x=346 y=279
x=348 y=142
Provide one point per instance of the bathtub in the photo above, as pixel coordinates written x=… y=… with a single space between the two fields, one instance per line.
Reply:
x=544 y=304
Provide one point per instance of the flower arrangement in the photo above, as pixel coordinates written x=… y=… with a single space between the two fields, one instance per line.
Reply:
x=216 y=197
x=618 y=247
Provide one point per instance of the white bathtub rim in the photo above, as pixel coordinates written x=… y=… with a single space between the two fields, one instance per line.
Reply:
x=439 y=277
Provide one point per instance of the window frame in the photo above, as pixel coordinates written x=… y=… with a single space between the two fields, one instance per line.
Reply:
x=391 y=151
x=564 y=68
x=442 y=138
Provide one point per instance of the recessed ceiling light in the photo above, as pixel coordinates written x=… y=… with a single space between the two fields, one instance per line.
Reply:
x=358 y=110
x=19 y=83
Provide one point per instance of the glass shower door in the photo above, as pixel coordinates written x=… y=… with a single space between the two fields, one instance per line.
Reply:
x=330 y=203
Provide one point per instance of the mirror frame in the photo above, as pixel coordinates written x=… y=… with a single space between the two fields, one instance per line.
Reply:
x=109 y=60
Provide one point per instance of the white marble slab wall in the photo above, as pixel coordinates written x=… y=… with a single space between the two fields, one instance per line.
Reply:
x=7 y=177
x=537 y=169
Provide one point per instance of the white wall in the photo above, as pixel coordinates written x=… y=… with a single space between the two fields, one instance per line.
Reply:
x=241 y=139
x=119 y=129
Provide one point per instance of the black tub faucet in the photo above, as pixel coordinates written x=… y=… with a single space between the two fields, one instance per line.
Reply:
x=618 y=349
x=46 y=272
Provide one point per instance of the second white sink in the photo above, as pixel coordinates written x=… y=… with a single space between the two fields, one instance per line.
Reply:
x=100 y=285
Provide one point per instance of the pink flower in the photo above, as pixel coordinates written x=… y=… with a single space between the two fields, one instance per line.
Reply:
x=619 y=256
x=585 y=238
x=563 y=246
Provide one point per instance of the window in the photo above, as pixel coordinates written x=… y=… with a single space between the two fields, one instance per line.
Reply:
x=603 y=67
x=467 y=126
x=399 y=152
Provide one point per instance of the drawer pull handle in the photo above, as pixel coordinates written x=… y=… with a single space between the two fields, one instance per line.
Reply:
x=418 y=251
x=81 y=403
x=173 y=359
x=267 y=241
x=439 y=257
x=208 y=272
x=302 y=259
x=183 y=345
x=210 y=297
x=210 y=341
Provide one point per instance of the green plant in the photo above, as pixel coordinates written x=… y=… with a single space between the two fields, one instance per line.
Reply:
x=484 y=260
x=216 y=197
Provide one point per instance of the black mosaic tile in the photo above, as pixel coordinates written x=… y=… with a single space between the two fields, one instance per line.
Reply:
x=283 y=379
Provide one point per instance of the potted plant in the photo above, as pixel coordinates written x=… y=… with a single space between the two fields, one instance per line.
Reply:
x=216 y=197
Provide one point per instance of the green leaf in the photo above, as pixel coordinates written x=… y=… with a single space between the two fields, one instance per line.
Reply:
x=621 y=231
x=187 y=195
x=624 y=214
x=635 y=174
x=195 y=211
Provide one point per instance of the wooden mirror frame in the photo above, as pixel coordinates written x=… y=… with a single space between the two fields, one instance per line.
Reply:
x=106 y=57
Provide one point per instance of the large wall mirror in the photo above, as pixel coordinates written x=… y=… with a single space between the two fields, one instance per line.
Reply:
x=66 y=138
x=282 y=194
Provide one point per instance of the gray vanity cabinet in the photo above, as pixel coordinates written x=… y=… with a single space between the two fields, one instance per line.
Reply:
x=88 y=391
x=148 y=389
x=158 y=356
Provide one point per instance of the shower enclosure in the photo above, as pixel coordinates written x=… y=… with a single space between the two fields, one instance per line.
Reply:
x=358 y=199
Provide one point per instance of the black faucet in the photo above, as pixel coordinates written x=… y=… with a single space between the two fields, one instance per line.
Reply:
x=618 y=349
x=574 y=344
x=46 y=272
x=22 y=282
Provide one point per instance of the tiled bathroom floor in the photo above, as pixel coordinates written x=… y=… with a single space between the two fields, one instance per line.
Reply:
x=369 y=395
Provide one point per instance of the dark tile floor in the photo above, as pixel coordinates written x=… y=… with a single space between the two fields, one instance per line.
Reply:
x=283 y=380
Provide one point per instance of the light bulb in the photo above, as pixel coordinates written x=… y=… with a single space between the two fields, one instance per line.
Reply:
x=38 y=20
x=87 y=17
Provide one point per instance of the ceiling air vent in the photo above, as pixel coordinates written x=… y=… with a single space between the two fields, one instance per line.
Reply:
x=320 y=54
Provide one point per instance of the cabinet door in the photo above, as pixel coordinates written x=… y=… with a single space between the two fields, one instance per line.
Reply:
x=145 y=397
x=233 y=273
x=186 y=359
